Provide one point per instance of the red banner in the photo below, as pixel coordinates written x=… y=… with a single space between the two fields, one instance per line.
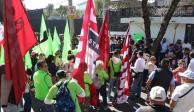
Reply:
x=19 y=38
x=104 y=42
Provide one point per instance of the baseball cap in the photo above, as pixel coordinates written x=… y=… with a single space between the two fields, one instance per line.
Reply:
x=60 y=73
x=158 y=93
x=188 y=74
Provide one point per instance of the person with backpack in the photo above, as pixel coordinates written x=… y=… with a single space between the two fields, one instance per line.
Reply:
x=182 y=97
x=99 y=80
x=114 y=69
x=162 y=77
x=63 y=94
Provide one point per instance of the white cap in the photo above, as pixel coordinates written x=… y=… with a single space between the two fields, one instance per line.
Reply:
x=188 y=74
x=158 y=93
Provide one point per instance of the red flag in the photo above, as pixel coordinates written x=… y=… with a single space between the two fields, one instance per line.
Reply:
x=124 y=77
x=88 y=48
x=104 y=42
x=19 y=38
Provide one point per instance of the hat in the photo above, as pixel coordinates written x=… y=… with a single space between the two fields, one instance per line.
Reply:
x=188 y=74
x=60 y=73
x=158 y=93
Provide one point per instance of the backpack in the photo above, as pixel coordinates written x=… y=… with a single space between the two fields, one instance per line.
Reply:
x=64 y=102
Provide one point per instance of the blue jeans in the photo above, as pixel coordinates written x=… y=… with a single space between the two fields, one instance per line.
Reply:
x=112 y=84
x=137 y=84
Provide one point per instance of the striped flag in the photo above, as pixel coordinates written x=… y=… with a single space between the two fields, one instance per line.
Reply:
x=88 y=48
x=1 y=34
x=124 y=77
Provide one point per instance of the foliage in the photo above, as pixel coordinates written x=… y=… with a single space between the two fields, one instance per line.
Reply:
x=62 y=11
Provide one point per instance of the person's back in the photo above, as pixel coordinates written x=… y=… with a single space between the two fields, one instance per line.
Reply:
x=73 y=87
x=186 y=102
x=162 y=78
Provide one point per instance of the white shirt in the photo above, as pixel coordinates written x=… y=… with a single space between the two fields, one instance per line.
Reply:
x=186 y=46
x=151 y=67
x=139 y=65
x=185 y=103
x=164 y=47
x=191 y=65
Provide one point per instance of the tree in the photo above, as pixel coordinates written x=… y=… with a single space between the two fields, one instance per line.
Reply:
x=62 y=11
x=164 y=25
x=50 y=9
x=147 y=22
x=99 y=7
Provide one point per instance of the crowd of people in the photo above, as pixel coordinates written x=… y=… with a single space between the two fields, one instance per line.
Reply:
x=167 y=77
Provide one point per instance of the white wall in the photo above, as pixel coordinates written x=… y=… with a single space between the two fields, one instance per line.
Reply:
x=180 y=31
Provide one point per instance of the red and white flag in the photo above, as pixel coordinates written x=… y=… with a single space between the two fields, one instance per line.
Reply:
x=104 y=42
x=124 y=77
x=88 y=48
x=1 y=34
x=18 y=39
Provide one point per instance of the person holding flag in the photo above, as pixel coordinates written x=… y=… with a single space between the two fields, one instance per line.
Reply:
x=18 y=36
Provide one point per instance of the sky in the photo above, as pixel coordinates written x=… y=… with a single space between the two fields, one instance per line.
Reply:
x=37 y=4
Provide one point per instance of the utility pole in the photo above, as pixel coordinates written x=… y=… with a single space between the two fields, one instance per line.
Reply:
x=71 y=21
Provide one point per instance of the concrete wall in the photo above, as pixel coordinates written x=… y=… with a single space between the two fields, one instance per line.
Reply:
x=139 y=27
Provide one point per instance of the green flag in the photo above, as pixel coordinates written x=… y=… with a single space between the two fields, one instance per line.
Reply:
x=2 y=59
x=138 y=36
x=56 y=42
x=28 y=61
x=45 y=47
x=42 y=28
x=66 y=42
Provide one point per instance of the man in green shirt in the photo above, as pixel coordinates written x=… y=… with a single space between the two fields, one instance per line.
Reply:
x=42 y=83
x=114 y=67
x=73 y=87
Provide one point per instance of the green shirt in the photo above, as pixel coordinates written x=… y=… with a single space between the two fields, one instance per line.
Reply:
x=42 y=83
x=102 y=75
x=88 y=82
x=74 y=88
x=117 y=67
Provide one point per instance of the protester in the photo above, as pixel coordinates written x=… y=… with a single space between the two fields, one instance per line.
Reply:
x=58 y=60
x=180 y=69
x=191 y=64
x=41 y=57
x=186 y=44
x=186 y=58
x=151 y=64
x=69 y=66
x=99 y=80
x=51 y=65
x=138 y=78
x=42 y=82
x=162 y=77
x=72 y=86
x=27 y=95
x=182 y=97
x=157 y=101
x=114 y=67
x=164 y=47
x=87 y=81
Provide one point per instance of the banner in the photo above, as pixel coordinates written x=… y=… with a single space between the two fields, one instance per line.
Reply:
x=18 y=39
x=124 y=77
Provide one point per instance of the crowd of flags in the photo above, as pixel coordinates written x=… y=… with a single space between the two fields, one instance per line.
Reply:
x=92 y=45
